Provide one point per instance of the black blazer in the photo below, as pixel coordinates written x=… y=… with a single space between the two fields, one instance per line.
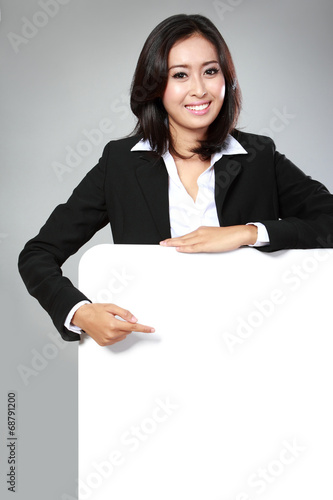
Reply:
x=129 y=190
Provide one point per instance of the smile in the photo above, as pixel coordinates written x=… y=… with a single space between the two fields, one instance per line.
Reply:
x=199 y=107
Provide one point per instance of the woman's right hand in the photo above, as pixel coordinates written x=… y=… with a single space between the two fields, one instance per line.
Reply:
x=100 y=323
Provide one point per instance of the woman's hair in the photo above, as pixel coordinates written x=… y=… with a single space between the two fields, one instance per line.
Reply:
x=150 y=80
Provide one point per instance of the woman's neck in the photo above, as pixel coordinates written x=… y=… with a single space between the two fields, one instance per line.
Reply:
x=185 y=142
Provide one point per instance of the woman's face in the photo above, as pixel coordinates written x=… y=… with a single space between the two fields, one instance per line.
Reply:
x=195 y=87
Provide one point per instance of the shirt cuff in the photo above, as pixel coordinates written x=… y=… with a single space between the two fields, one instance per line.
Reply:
x=68 y=324
x=262 y=238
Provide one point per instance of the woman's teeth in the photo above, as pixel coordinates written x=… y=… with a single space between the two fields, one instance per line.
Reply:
x=198 y=108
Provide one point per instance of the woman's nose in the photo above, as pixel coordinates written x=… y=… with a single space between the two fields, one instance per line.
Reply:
x=198 y=87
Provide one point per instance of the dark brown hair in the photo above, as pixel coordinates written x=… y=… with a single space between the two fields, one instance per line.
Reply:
x=150 y=79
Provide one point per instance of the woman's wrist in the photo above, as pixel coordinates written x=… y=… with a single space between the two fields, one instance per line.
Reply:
x=250 y=234
x=80 y=314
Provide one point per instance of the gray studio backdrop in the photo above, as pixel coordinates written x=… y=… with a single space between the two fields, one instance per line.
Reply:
x=66 y=68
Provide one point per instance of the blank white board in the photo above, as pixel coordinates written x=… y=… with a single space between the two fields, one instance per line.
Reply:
x=230 y=398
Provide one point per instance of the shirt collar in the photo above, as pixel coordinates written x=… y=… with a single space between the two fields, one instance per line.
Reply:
x=230 y=147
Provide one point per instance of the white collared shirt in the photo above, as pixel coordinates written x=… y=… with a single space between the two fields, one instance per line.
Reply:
x=186 y=215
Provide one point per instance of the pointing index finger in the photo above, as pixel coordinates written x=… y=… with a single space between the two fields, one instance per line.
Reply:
x=134 y=327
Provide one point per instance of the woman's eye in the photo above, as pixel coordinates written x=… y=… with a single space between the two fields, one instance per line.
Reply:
x=212 y=71
x=179 y=75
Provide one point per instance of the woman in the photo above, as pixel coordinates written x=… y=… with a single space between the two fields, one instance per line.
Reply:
x=187 y=179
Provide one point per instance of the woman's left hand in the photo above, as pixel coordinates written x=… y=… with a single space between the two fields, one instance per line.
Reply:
x=214 y=239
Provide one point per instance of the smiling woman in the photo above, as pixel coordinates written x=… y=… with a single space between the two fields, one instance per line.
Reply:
x=186 y=178
x=195 y=90
x=193 y=98
x=170 y=53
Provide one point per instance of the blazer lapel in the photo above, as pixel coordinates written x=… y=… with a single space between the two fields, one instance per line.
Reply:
x=152 y=177
x=226 y=171
x=153 y=180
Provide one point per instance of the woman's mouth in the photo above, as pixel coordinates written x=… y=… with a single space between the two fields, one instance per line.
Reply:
x=198 y=109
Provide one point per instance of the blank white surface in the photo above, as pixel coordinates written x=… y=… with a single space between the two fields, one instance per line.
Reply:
x=233 y=409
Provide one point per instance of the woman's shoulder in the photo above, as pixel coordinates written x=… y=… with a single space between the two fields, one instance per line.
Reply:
x=250 y=140
x=124 y=144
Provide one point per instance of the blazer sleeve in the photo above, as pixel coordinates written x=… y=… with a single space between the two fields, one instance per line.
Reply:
x=69 y=227
x=305 y=210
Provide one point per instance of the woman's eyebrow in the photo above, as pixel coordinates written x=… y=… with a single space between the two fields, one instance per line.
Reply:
x=188 y=66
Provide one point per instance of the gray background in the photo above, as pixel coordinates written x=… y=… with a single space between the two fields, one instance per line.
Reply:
x=71 y=74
